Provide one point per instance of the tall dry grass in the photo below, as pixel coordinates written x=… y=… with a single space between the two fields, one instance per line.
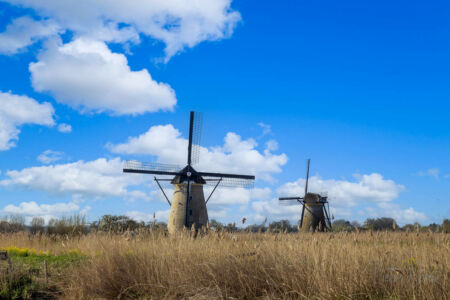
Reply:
x=224 y=265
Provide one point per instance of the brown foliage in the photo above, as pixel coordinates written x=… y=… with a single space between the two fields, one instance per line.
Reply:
x=242 y=265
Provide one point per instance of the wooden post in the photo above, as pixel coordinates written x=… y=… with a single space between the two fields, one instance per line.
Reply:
x=46 y=272
x=11 y=267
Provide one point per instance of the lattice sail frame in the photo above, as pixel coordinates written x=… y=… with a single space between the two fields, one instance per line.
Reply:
x=196 y=137
x=210 y=180
x=150 y=166
x=229 y=182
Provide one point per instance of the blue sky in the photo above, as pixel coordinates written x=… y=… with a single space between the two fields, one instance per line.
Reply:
x=360 y=88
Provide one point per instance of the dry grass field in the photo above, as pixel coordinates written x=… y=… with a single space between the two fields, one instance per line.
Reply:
x=378 y=265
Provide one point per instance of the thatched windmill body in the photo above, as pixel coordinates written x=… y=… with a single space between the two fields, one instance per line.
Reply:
x=315 y=209
x=188 y=206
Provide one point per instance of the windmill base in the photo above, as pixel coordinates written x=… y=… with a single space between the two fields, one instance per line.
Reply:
x=198 y=215
x=314 y=218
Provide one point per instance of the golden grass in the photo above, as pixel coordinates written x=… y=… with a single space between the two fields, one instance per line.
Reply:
x=249 y=266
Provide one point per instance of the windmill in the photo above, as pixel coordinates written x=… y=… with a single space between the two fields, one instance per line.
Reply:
x=315 y=208
x=188 y=206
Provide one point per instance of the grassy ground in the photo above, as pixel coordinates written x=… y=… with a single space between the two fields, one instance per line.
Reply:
x=27 y=275
x=245 y=266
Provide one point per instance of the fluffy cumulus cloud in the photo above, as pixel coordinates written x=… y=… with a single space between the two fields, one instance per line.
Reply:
x=392 y=210
x=86 y=75
x=98 y=178
x=230 y=196
x=369 y=188
x=227 y=200
x=177 y=23
x=65 y=128
x=272 y=210
x=23 y=32
x=16 y=111
x=235 y=156
x=408 y=215
x=34 y=209
x=46 y=211
x=50 y=156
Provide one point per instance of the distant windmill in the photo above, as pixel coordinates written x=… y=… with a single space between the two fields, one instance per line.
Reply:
x=315 y=216
x=188 y=206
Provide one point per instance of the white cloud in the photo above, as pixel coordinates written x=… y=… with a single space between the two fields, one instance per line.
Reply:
x=34 y=209
x=86 y=75
x=16 y=111
x=98 y=178
x=64 y=128
x=433 y=172
x=163 y=141
x=402 y=216
x=46 y=211
x=272 y=210
x=240 y=196
x=178 y=23
x=160 y=216
x=225 y=202
x=271 y=145
x=49 y=156
x=23 y=32
x=266 y=128
x=235 y=156
x=368 y=188
x=408 y=215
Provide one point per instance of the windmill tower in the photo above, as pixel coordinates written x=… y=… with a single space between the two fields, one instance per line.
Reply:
x=315 y=216
x=188 y=206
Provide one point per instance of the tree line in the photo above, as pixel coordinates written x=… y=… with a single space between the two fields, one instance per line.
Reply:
x=77 y=225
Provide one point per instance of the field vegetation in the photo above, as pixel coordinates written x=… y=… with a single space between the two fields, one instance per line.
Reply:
x=146 y=263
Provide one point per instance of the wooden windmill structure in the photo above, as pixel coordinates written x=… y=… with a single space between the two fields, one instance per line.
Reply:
x=188 y=206
x=315 y=209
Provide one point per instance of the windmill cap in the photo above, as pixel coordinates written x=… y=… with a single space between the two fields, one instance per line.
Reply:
x=314 y=198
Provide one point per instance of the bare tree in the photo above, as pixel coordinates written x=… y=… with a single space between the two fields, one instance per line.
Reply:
x=37 y=225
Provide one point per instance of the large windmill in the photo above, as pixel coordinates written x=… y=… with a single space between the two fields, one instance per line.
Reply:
x=188 y=206
x=315 y=209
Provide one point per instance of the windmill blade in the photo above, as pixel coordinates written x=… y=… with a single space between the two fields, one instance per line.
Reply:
x=327 y=215
x=191 y=128
x=290 y=198
x=307 y=177
x=196 y=137
x=288 y=201
x=134 y=166
x=195 y=133
x=188 y=200
x=303 y=214
x=229 y=182
x=224 y=175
